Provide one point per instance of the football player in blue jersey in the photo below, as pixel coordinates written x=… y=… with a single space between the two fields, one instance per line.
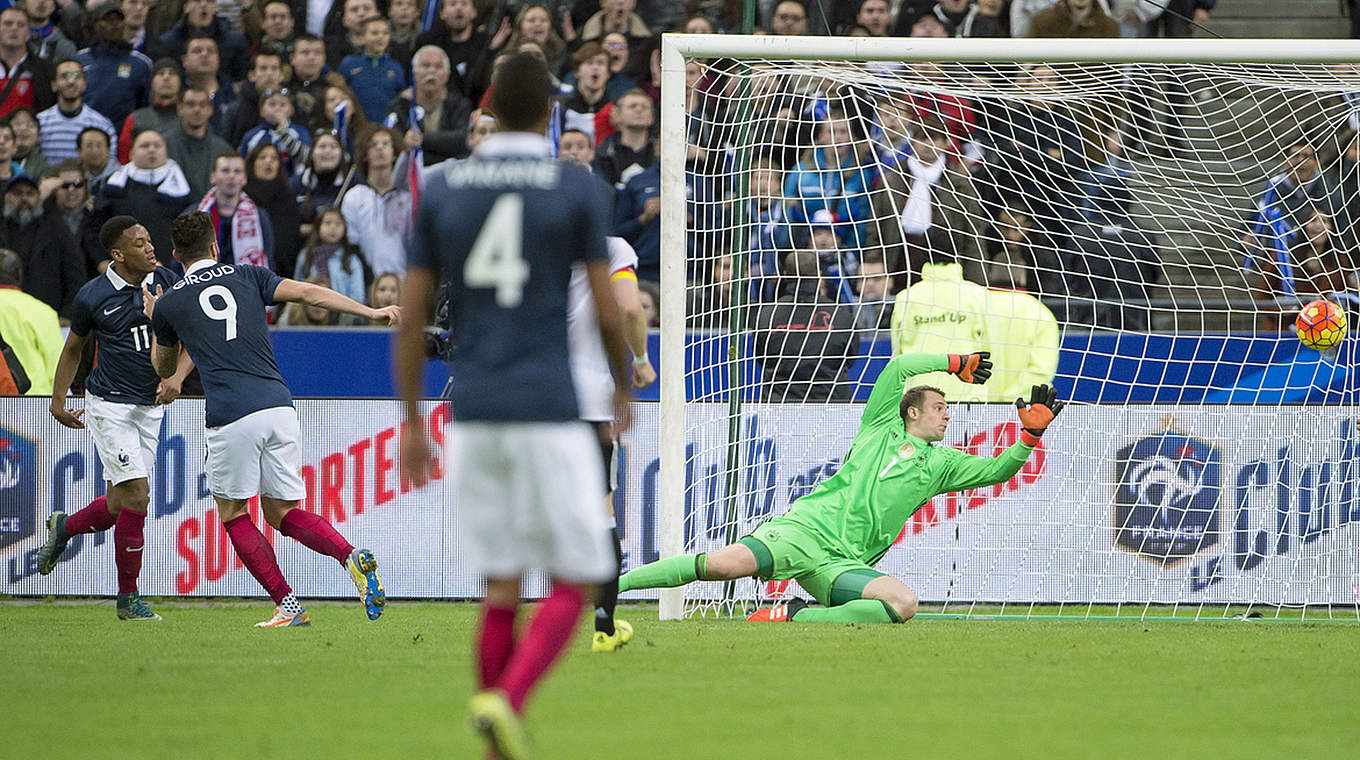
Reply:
x=218 y=312
x=503 y=229
x=123 y=404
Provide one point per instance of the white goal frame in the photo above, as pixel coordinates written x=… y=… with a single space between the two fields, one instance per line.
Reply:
x=676 y=48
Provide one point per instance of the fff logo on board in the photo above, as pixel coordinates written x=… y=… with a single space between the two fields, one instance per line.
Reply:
x=1166 y=497
x=18 y=466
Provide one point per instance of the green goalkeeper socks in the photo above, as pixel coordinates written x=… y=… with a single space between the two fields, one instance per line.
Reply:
x=664 y=573
x=858 y=611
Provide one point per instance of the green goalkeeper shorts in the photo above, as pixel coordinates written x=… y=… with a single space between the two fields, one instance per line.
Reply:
x=785 y=551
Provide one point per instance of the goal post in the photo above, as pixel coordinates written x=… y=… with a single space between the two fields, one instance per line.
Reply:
x=1206 y=461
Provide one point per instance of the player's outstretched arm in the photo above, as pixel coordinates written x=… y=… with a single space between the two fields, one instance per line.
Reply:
x=607 y=314
x=165 y=359
x=887 y=394
x=67 y=364
x=968 y=471
x=409 y=361
x=170 y=387
x=1038 y=413
x=634 y=320
x=317 y=295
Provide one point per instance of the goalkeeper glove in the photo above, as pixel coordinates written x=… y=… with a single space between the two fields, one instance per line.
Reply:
x=971 y=368
x=1038 y=414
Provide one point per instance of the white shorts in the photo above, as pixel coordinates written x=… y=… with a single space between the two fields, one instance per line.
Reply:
x=529 y=497
x=594 y=392
x=257 y=454
x=125 y=436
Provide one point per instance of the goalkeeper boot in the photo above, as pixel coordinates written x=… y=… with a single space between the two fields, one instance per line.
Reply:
x=50 y=553
x=780 y=613
x=603 y=642
x=363 y=570
x=490 y=714
x=283 y=619
x=133 y=607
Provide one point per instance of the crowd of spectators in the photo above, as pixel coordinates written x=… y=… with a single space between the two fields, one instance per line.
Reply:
x=297 y=126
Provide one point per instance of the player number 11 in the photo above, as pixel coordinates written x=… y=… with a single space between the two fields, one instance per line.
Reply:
x=141 y=337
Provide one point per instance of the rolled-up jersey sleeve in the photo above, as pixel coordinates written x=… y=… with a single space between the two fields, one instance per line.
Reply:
x=418 y=252
x=267 y=281
x=160 y=324
x=82 y=316
x=595 y=221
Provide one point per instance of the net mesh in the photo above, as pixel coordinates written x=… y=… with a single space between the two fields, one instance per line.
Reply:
x=1141 y=235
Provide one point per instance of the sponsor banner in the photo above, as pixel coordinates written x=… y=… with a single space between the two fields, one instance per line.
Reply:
x=1160 y=504
x=350 y=451
x=1121 y=504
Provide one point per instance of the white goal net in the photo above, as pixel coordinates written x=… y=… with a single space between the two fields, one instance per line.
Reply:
x=1137 y=229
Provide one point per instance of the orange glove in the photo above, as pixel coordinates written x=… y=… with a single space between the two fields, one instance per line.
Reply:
x=1036 y=416
x=971 y=368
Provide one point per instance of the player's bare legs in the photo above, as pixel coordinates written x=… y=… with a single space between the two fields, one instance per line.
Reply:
x=883 y=599
x=509 y=669
x=727 y=564
x=895 y=593
x=258 y=557
x=316 y=533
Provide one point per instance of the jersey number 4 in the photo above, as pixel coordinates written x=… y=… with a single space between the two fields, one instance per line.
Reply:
x=225 y=313
x=497 y=257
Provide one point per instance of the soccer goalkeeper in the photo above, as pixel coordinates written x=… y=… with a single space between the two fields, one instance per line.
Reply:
x=830 y=540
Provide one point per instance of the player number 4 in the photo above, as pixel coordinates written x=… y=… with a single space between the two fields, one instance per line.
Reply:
x=497 y=260
x=226 y=313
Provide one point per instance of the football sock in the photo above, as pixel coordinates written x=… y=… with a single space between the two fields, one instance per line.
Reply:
x=664 y=573
x=289 y=604
x=258 y=556
x=549 y=632
x=127 y=548
x=858 y=611
x=315 y=533
x=608 y=596
x=94 y=518
x=495 y=642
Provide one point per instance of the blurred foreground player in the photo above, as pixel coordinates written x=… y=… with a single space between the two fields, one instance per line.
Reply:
x=122 y=404
x=503 y=228
x=830 y=540
x=218 y=312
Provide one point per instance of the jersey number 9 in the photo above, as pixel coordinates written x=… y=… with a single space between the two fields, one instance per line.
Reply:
x=227 y=312
x=497 y=256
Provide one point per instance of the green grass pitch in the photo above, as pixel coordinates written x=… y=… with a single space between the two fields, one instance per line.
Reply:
x=205 y=684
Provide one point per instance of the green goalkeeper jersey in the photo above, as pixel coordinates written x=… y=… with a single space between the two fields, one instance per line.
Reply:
x=888 y=475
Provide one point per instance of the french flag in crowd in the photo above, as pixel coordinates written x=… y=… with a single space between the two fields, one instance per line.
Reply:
x=555 y=126
x=417 y=161
x=341 y=115
x=819 y=107
x=428 y=16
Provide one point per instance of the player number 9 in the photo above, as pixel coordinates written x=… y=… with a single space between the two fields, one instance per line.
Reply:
x=226 y=314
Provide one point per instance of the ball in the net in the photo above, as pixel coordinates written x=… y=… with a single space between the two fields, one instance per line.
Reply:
x=1321 y=325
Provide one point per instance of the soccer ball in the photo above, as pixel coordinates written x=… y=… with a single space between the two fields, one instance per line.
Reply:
x=1321 y=325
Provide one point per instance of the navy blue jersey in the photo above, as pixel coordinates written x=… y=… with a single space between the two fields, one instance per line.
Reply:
x=503 y=229
x=110 y=309
x=218 y=312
